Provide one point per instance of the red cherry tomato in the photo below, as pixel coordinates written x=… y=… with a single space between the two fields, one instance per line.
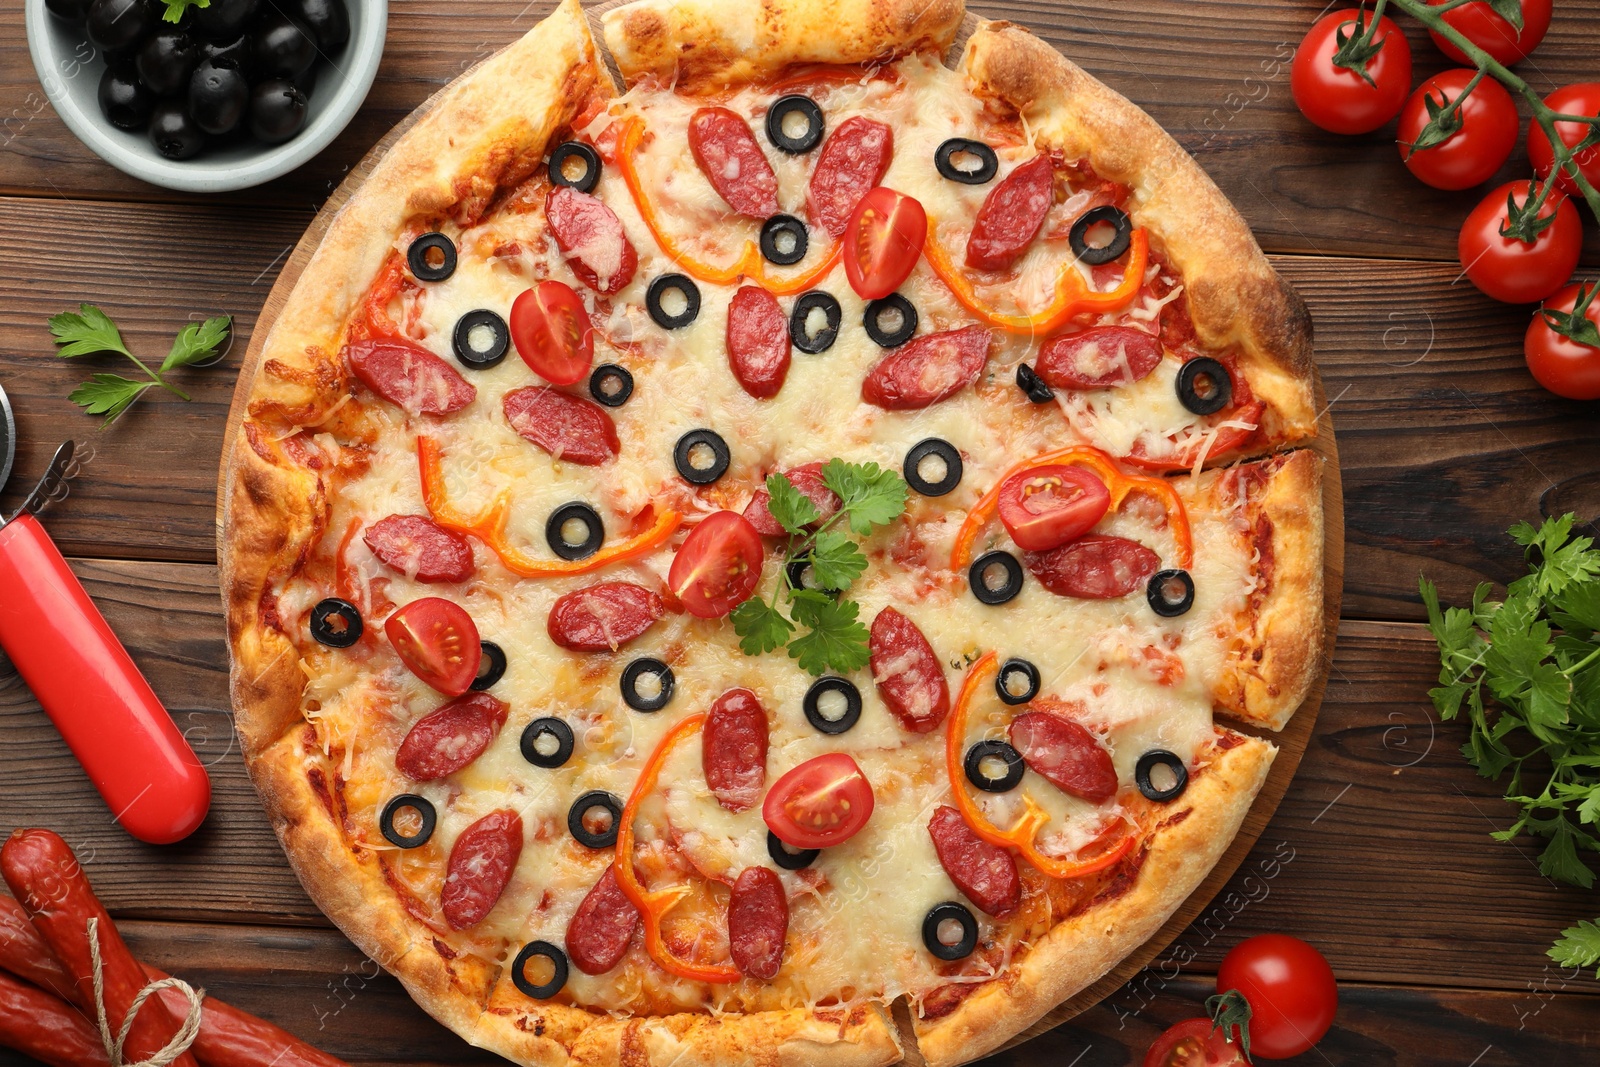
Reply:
x=1470 y=156
x=1340 y=100
x=1479 y=23
x=438 y=640
x=1580 y=99
x=825 y=801
x=552 y=332
x=1510 y=269
x=718 y=567
x=882 y=242
x=1045 y=507
x=1291 y=991
x=1565 y=367
x=1194 y=1043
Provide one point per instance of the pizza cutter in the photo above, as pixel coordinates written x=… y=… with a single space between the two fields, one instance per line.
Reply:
x=83 y=677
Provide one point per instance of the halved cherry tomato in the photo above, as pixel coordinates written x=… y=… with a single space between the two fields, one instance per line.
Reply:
x=1471 y=155
x=1509 y=268
x=1337 y=98
x=823 y=802
x=1045 y=507
x=882 y=242
x=1566 y=367
x=552 y=332
x=1480 y=24
x=1194 y=1043
x=719 y=565
x=1292 y=993
x=438 y=640
x=1580 y=99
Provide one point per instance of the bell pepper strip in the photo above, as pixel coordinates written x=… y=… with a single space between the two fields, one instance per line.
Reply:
x=1119 y=483
x=750 y=264
x=490 y=526
x=1073 y=296
x=653 y=905
x=1020 y=837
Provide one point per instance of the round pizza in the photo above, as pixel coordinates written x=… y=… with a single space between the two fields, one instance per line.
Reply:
x=787 y=555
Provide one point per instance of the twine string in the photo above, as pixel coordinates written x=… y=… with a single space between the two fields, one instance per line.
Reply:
x=168 y=1053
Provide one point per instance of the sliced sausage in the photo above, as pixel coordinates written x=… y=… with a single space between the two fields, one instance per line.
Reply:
x=1098 y=358
x=758 y=341
x=481 y=862
x=808 y=479
x=853 y=160
x=927 y=369
x=566 y=426
x=1011 y=215
x=602 y=927
x=409 y=376
x=446 y=740
x=1066 y=754
x=733 y=746
x=591 y=237
x=733 y=162
x=758 y=923
x=985 y=873
x=909 y=676
x=1097 y=567
x=420 y=548
x=603 y=617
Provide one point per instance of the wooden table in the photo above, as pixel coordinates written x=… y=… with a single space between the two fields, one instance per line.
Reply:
x=1380 y=854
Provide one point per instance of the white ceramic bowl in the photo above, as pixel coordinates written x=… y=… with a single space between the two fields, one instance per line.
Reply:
x=69 y=69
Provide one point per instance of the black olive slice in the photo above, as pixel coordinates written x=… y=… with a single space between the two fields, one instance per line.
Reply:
x=931 y=448
x=777 y=120
x=417 y=257
x=1170 y=592
x=1011 y=673
x=803 y=576
x=611 y=385
x=630 y=684
x=491 y=668
x=1160 y=757
x=981 y=753
x=784 y=253
x=852 y=704
x=336 y=623
x=1033 y=386
x=594 y=531
x=595 y=798
x=985 y=566
x=491 y=353
x=1204 y=386
x=940 y=914
x=944 y=161
x=1094 y=255
x=705 y=444
x=426 y=813
x=534 y=751
x=787 y=858
x=800 y=335
x=875 y=312
x=558 y=970
x=659 y=288
x=564 y=154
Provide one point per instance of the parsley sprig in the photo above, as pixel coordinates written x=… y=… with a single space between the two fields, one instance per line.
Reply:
x=834 y=637
x=175 y=9
x=91 y=331
x=1526 y=669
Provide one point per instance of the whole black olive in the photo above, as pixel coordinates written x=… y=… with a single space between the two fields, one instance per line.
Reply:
x=277 y=111
x=218 y=96
x=124 y=100
x=71 y=10
x=281 y=47
x=236 y=50
x=225 y=19
x=173 y=132
x=329 y=20
x=165 y=62
x=115 y=25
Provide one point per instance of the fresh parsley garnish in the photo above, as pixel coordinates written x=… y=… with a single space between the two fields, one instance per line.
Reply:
x=91 y=331
x=176 y=8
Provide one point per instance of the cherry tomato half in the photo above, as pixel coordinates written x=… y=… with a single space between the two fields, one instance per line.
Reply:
x=719 y=565
x=1479 y=23
x=1471 y=155
x=1580 y=99
x=1565 y=367
x=1508 y=268
x=1045 y=507
x=1340 y=100
x=438 y=641
x=825 y=801
x=882 y=242
x=1291 y=991
x=552 y=332
x=1194 y=1043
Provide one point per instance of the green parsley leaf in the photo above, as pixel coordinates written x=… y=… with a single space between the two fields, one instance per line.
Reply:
x=89 y=331
x=837 y=640
x=1579 y=946
x=197 y=341
x=107 y=394
x=760 y=627
x=176 y=8
x=792 y=508
x=836 y=560
x=868 y=494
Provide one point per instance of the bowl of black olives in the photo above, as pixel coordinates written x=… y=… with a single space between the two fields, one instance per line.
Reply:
x=206 y=95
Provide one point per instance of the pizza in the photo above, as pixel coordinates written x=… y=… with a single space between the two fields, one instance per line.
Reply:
x=793 y=554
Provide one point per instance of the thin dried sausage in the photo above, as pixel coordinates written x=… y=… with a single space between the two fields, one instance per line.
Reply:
x=603 y=926
x=985 y=873
x=590 y=235
x=447 y=739
x=758 y=923
x=733 y=162
x=908 y=674
x=1097 y=567
x=1011 y=215
x=481 y=863
x=1066 y=754
x=808 y=479
x=603 y=617
x=1098 y=358
x=566 y=426
x=927 y=369
x=853 y=160
x=409 y=376
x=758 y=341
x=420 y=548
x=733 y=746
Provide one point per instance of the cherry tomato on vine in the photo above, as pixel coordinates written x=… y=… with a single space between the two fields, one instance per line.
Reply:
x=552 y=332
x=719 y=565
x=1194 y=1043
x=1580 y=99
x=882 y=242
x=1340 y=100
x=1479 y=23
x=438 y=641
x=1291 y=992
x=1566 y=366
x=1509 y=268
x=1488 y=131
x=823 y=802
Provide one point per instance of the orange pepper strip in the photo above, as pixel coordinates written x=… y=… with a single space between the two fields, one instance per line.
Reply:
x=653 y=906
x=1120 y=484
x=750 y=263
x=490 y=527
x=1071 y=300
x=1020 y=837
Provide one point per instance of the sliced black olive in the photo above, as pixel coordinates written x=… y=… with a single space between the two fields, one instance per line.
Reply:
x=932 y=448
x=1033 y=386
x=803 y=576
x=799 y=331
x=787 y=858
x=281 y=47
x=555 y=531
x=426 y=268
x=563 y=160
x=611 y=385
x=68 y=10
x=124 y=100
x=558 y=970
x=491 y=668
x=219 y=96
x=426 y=814
x=595 y=798
x=1160 y=757
x=490 y=346
x=277 y=111
x=328 y=21
x=165 y=61
x=778 y=124
x=1018 y=681
x=173 y=132
x=115 y=25
x=222 y=19
x=894 y=306
x=985 y=567
x=1094 y=255
x=944 y=161
x=975 y=765
x=775 y=248
x=665 y=682
x=657 y=292
x=534 y=745
x=940 y=914
x=1204 y=386
x=336 y=623
x=847 y=717
x=701 y=445
x=1170 y=593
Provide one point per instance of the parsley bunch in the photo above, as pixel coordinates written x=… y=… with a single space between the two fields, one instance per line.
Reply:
x=835 y=639
x=91 y=331
x=1527 y=671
